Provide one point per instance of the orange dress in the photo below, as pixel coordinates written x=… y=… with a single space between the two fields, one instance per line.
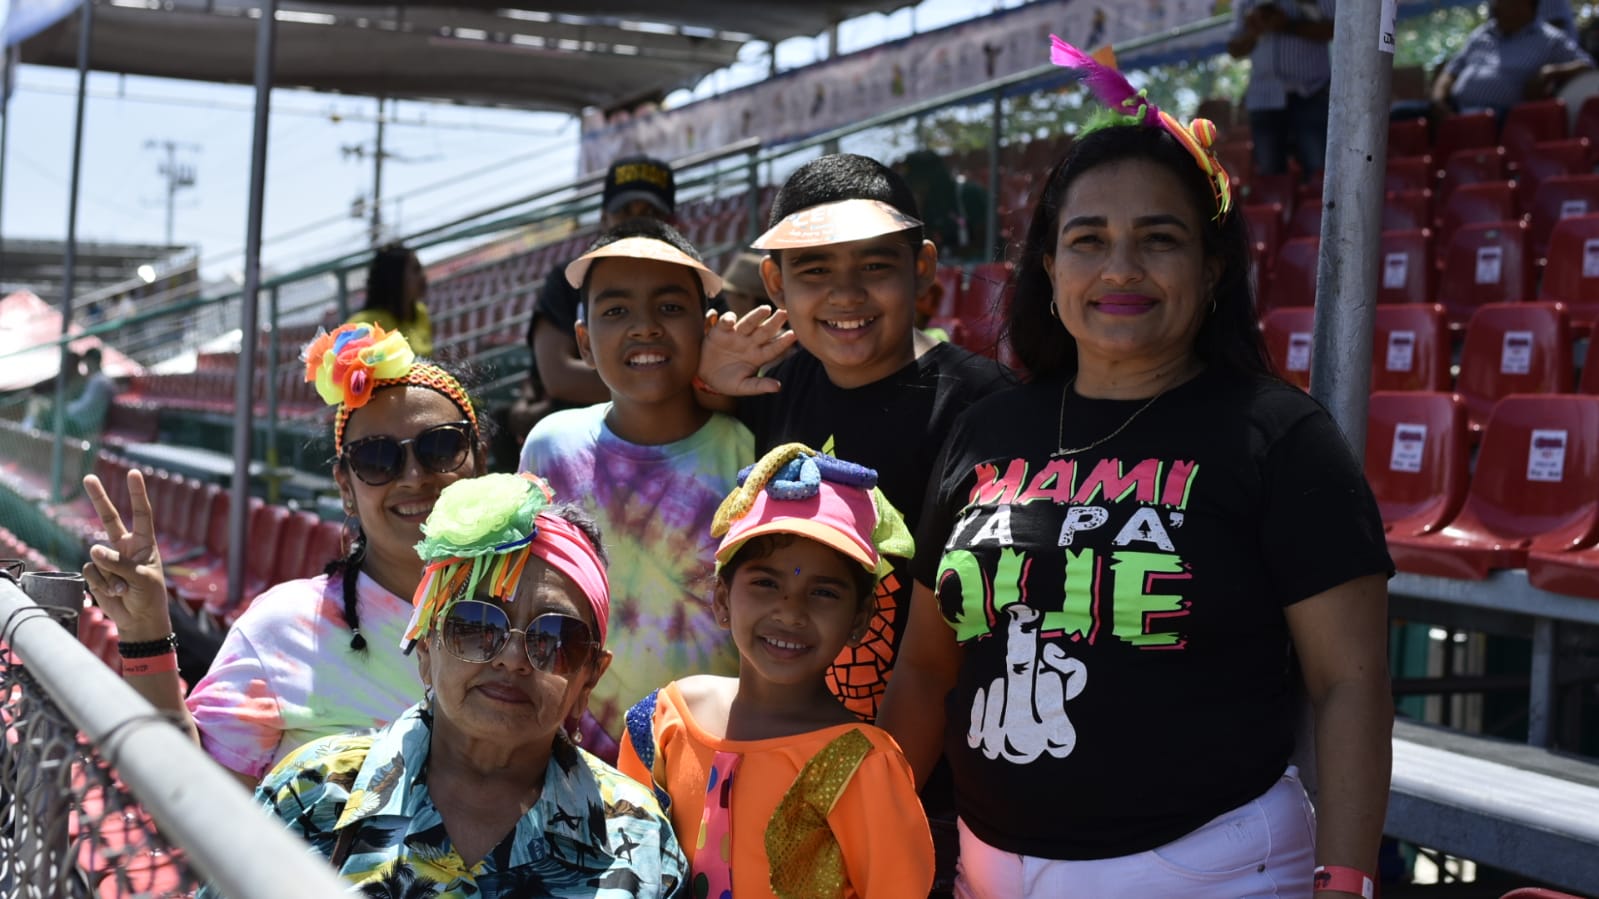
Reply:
x=829 y=813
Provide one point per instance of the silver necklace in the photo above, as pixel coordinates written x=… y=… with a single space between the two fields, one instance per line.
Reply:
x=1060 y=429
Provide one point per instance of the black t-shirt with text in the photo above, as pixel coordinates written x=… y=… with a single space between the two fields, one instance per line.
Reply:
x=1127 y=670
x=895 y=425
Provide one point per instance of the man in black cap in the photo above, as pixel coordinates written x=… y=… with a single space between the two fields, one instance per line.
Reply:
x=635 y=186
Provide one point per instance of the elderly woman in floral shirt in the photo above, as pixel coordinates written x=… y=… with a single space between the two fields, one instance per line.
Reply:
x=478 y=791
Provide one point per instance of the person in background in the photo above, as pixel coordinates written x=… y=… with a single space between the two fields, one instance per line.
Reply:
x=774 y=787
x=651 y=465
x=742 y=287
x=395 y=286
x=479 y=790
x=87 y=411
x=635 y=186
x=1559 y=14
x=1509 y=58
x=1290 y=74
x=1148 y=549
x=317 y=656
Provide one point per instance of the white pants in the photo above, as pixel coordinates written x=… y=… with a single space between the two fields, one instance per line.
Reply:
x=1265 y=847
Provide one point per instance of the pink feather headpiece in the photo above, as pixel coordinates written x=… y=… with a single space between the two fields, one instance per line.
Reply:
x=1112 y=89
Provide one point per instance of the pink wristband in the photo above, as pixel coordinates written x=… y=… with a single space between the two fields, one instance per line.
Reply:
x=1339 y=879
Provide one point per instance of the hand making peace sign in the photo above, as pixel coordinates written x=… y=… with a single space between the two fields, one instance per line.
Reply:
x=124 y=574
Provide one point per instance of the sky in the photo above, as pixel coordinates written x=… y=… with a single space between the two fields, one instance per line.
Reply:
x=446 y=160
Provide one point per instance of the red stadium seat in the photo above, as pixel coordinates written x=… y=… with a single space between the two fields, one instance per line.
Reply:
x=208 y=575
x=1288 y=341
x=1574 y=572
x=327 y=544
x=1589 y=383
x=1404 y=173
x=1513 y=348
x=1407 y=210
x=1471 y=166
x=1293 y=277
x=1587 y=124
x=1408 y=138
x=1238 y=158
x=1264 y=190
x=1485 y=264
x=293 y=548
x=1306 y=221
x=1527 y=124
x=1571 y=276
x=263 y=564
x=1545 y=160
x=1477 y=204
x=1470 y=130
x=1416 y=459
x=1407 y=274
x=1410 y=348
x=1558 y=197
x=1265 y=232
x=1535 y=489
x=981 y=307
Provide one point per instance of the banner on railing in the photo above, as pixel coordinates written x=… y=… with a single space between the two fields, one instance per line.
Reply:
x=860 y=85
x=848 y=89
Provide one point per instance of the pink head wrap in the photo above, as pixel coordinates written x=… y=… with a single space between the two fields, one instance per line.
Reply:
x=568 y=550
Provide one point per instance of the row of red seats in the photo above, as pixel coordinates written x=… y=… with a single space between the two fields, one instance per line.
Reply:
x=1484 y=263
x=192 y=518
x=1508 y=348
x=13 y=547
x=1532 y=501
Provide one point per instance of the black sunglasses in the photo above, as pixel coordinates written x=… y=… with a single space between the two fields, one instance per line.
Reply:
x=380 y=459
x=476 y=631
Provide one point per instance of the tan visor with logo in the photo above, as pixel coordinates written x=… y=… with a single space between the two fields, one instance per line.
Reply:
x=832 y=223
x=643 y=248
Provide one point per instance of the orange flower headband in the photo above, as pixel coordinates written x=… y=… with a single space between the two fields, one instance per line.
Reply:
x=1133 y=107
x=355 y=361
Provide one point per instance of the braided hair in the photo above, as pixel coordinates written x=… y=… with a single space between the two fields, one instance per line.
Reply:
x=348 y=569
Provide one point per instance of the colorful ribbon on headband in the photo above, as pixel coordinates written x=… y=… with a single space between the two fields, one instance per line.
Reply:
x=1130 y=106
x=483 y=530
x=354 y=361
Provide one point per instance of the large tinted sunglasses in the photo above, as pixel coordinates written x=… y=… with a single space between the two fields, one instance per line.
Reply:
x=476 y=631
x=380 y=459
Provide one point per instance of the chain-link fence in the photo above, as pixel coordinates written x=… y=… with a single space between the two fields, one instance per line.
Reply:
x=102 y=796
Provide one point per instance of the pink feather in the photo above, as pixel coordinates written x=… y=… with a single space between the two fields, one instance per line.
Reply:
x=1106 y=83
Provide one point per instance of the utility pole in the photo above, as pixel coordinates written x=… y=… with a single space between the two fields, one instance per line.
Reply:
x=377 y=180
x=179 y=175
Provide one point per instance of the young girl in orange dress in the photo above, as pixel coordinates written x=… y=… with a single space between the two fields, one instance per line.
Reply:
x=773 y=787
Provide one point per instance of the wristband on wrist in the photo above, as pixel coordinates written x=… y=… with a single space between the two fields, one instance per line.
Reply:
x=1340 y=879
x=144 y=649
x=702 y=387
x=160 y=664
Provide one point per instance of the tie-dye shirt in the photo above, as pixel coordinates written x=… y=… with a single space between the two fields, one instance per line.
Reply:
x=593 y=832
x=654 y=506
x=286 y=674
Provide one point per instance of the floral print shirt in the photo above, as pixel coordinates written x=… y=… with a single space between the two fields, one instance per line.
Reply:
x=593 y=832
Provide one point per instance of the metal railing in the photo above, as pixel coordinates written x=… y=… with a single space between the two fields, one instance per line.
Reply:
x=100 y=795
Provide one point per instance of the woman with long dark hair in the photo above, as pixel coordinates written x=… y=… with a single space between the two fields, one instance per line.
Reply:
x=1147 y=552
x=321 y=655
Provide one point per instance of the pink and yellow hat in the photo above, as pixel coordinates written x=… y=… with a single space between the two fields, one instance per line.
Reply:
x=795 y=490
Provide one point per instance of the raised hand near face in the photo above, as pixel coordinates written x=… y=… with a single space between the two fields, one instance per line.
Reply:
x=124 y=574
x=736 y=349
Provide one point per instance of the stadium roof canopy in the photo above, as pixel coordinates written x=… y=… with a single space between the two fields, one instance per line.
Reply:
x=561 y=56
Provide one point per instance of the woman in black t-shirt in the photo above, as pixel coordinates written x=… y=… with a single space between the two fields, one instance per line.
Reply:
x=1146 y=551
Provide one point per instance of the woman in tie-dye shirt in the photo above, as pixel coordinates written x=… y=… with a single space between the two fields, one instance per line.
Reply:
x=317 y=656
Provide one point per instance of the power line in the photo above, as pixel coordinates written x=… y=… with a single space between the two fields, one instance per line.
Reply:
x=332 y=114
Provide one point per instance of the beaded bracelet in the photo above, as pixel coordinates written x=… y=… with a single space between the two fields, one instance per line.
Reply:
x=144 y=649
